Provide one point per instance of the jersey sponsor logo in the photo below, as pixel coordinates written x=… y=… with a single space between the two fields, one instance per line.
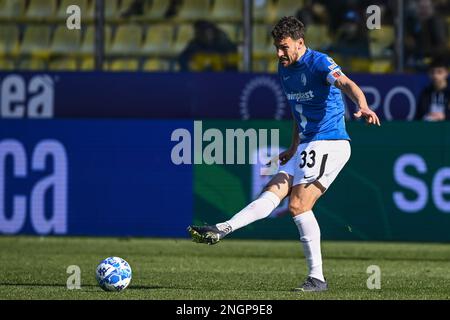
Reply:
x=301 y=96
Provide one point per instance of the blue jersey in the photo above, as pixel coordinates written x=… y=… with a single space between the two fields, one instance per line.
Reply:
x=316 y=104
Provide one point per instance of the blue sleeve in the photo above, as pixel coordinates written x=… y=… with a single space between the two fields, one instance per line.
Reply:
x=327 y=69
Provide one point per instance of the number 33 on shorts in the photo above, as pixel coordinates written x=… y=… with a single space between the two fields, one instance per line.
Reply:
x=320 y=160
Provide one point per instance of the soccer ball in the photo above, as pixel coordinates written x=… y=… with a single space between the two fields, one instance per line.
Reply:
x=113 y=274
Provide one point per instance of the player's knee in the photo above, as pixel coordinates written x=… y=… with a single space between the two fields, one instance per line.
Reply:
x=297 y=207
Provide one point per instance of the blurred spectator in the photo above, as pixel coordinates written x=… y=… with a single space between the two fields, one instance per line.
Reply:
x=312 y=12
x=425 y=33
x=351 y=37
x=434 y=100
x=209 y=42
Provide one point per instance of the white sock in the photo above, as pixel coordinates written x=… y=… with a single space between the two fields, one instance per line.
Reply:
x=258 y=209
x=310 y=237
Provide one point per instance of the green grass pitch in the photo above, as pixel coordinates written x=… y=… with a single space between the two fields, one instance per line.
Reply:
x=35 y=268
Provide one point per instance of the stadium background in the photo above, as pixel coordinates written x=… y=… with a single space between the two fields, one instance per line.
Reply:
x=85 y=132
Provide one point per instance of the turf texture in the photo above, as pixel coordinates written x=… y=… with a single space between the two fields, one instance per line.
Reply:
x=173 y=269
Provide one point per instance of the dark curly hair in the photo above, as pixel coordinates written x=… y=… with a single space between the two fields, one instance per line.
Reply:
x=288 y=27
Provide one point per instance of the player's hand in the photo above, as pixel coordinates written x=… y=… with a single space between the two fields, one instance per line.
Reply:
x=370 y=116
x=285 y=156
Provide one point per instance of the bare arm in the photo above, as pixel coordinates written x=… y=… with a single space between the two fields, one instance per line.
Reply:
x=355 y=93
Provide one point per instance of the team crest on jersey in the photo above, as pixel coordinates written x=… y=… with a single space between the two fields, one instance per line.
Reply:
x=303 y=79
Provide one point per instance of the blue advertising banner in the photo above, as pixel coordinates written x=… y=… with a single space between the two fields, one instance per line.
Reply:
x=182 y=95
x=102 y=178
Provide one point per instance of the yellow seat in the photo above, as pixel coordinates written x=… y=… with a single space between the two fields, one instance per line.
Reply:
x=65 y=41
x=285 y=8
x=360 y=64
x=87 y=64
x=127 y=40
x=83 y=4
x=194 y=10
x=9 y=39
x=124 y=65
x=63 y=65
x=157 y=10
x=38 y=9
x=272 y=66
x=11 y=9
x=381 y=66
x=111 y=10
x=261 y=43
x=380 y=40
x=231 y=31
x=185 y=33
x=32 y=64
x=158 y=40
x=317 y=37
x=156 y=65
x=259 y=65
x=227 y=10
x=36 y=40
x=6 y=65
x=88 y=43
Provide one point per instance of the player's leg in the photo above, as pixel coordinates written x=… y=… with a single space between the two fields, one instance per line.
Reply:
x=275 y=191
x=302 y=200
x=319 y=164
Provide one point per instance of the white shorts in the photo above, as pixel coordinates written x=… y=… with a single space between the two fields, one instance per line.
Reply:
x=320 y=161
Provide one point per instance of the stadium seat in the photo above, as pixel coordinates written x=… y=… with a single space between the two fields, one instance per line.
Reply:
x=272 y=66
x=259 y=65
x=40 y=9
x=127 y=40
x=6 y=65
x=156 y=65
x=83 y=4
x=158 y=40
x=360 y=65
x=124 y=65
x=184 y=33
x=157 y=10
x=11 y=9
x=88 y=64
x=88 y=46
x=227 y=10
x=194 y=9
x=317 y=36
x=32 y=64
x=65 y=41
x=111 y=10
x=261 y=44
x=287 y=8
x=9 y=39
x=63 y=65
x=36 y=40
x=381 y=66
x=381 y=41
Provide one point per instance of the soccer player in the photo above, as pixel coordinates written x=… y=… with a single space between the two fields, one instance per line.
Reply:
x=320 y=146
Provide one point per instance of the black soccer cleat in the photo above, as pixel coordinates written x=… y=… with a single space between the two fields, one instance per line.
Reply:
x=312 y=285
x=207 y=234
